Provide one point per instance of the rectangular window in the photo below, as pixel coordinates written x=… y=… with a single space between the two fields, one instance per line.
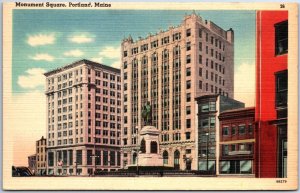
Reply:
x=281 y=38
x=188 y=84
x=188 y=123
x=188 y=72
x=79 y=157
x=250 y=128
x=204 y=123
x=200 y=71
x=188 y=59
x=112 y=158
x=188 y=32
x=233 y=130
x=281 y=89
x=188 y=46
x=50 y=158
x=105 y=158
x=242 y=129
x=188 y=110
x=188 y=135
x=200 y=46
x=200 y=59
x=89 y=157
x=200 y=84
x=225 y=131
x=212 y=122
x=188 y=97
x=98 y=157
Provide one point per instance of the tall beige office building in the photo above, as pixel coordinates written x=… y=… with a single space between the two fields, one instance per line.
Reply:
x=170 y=69
x=83 y=118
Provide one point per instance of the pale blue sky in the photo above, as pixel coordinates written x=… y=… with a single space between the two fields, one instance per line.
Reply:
x=47 y=39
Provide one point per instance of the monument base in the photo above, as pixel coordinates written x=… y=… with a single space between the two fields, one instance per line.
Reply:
x=146 y=159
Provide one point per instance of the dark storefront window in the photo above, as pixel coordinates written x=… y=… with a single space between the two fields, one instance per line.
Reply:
x=176 y=160
x=112 y=158
x=65 y=157
x=50 y=158
x=118 y=158
x=79 y=157
x=98 y=157
x=89 y=157
x=70 y=157
x=236 y=167
x=105 y=158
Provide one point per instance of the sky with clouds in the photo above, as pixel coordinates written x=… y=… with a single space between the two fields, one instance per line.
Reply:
x=47 y=39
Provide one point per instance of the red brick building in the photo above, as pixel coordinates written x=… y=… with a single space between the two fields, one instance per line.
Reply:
x=271 y=92
x=237 y=141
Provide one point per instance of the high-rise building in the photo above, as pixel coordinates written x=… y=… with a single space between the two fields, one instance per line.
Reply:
x=83 y=118
x=41 y=158
x=271 y=112
x=170 y=69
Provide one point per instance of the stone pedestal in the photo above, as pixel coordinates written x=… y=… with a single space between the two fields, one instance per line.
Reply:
x=149 y=147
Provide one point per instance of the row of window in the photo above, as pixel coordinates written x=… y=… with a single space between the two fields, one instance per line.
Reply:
x=213 y=76
x=237 y=130
x=65 y=157
x=176 y=136
x=244 y=148
x=155 y=43
x=213 y=40
x=65 y=76
x=106 y=75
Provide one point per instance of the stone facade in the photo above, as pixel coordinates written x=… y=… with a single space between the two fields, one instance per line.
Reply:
x=41 y=158
x=83 y=118
x=170 y=69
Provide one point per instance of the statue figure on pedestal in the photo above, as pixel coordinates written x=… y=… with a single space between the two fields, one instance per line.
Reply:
x=147 y=114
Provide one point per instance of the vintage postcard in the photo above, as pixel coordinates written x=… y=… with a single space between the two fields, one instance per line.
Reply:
x=150 y=96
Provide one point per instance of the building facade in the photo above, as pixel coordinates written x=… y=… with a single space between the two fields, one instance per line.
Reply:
x=170 y=69
x=237 y=141
x=271 y=93
x=83 y=118
x=208 y=110
x=32 y=163
x=41 y=156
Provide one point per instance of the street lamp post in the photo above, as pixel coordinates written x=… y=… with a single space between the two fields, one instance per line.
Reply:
x=137 y=151
x=207 y=137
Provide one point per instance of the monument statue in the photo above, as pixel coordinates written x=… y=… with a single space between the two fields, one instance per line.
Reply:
x=147 y=114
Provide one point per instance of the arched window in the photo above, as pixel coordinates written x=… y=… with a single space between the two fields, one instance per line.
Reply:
x=165 y=157
x=153 y=147
x=134 y=156
x=176 y=159
x=143 y=146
